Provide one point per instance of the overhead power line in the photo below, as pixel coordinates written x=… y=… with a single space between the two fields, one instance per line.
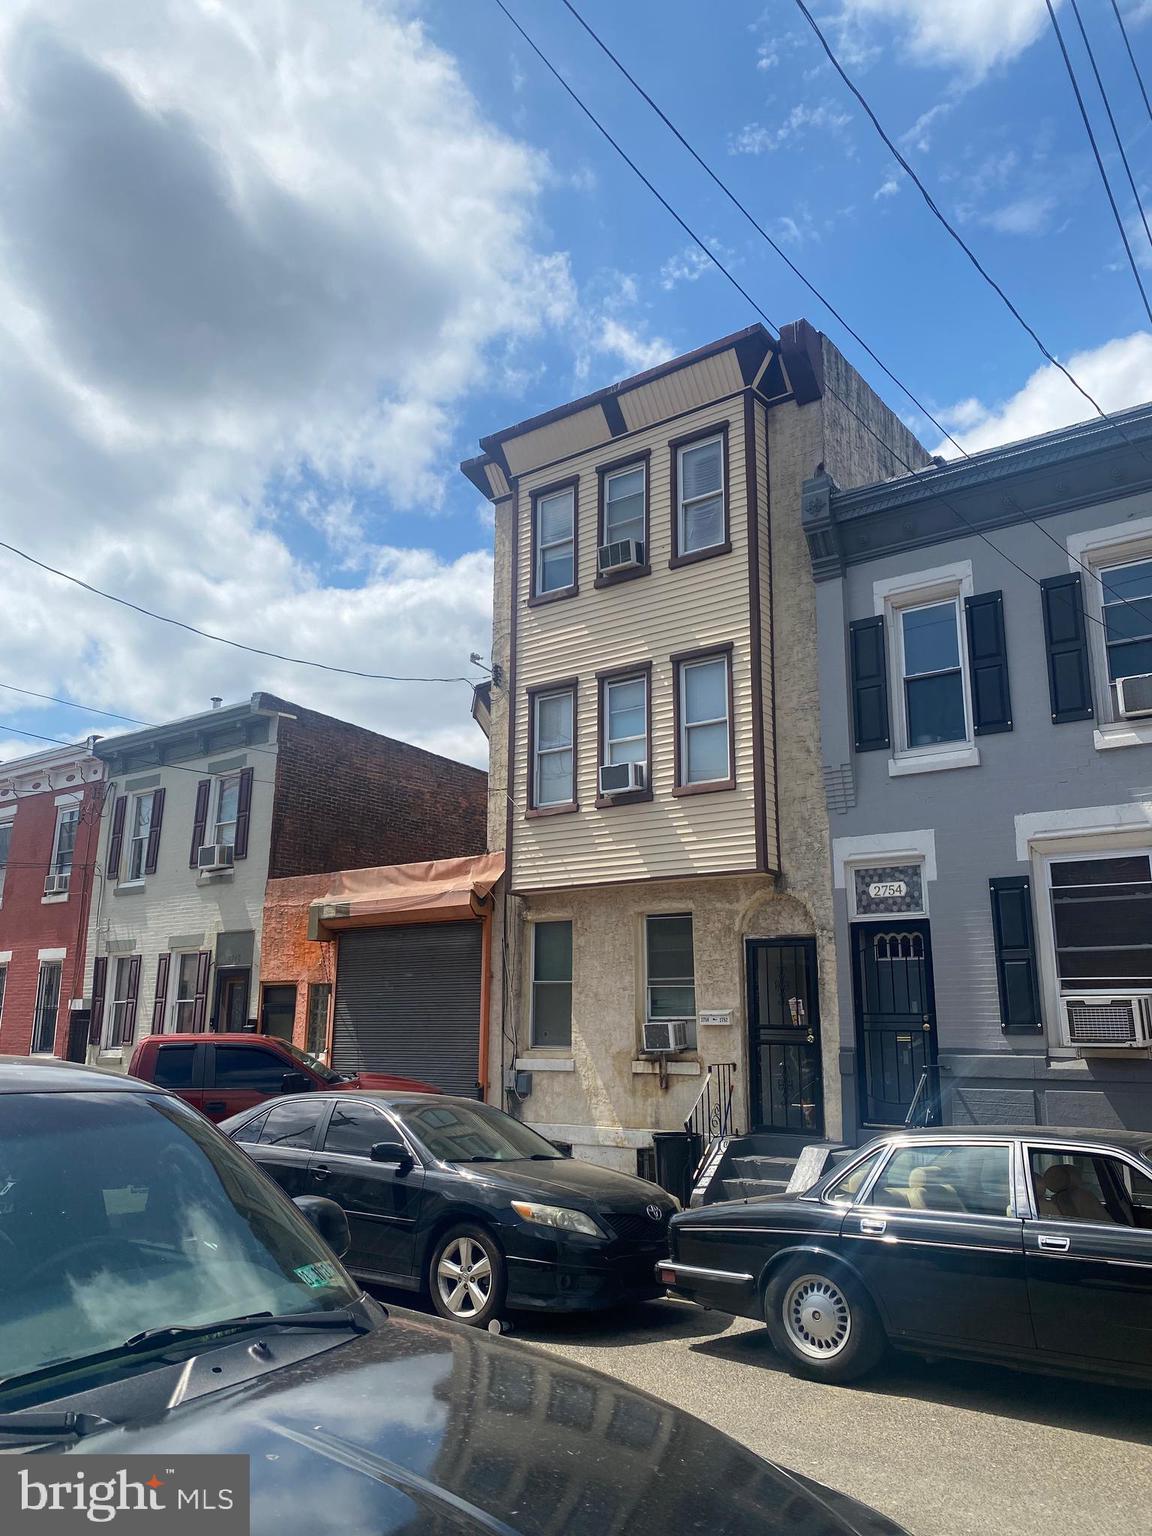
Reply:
x=1088 y=129
x=204 y=634
x=830 y=389
x=1132 y=57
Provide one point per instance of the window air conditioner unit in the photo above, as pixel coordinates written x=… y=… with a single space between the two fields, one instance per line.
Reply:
x=621 y=778
x=664 y=1036
x=56 y=885
x=215 y=856
x=1134 y=696
x=622 y=555
x=1102 y=1019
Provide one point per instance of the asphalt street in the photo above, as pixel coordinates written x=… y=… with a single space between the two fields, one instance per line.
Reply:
x=947 y=1449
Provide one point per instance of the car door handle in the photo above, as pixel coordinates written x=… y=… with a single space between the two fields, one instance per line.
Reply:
x=873 y=1225
x=321 y=1173
x=1057 y=1244
x=215 y=1106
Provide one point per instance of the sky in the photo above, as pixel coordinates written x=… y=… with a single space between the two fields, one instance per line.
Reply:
x=269 y=269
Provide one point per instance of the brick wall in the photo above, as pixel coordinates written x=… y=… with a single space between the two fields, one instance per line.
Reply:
x=348 y=798
x=287 y=956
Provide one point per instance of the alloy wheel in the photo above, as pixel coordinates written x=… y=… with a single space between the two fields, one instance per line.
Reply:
x=817 y=1317
x=464 y=1278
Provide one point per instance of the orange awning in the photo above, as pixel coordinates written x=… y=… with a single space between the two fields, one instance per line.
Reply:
x=435 y=891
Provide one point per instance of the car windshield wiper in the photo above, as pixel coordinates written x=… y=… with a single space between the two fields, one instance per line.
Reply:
x=178 y=1333
x=18 y=1429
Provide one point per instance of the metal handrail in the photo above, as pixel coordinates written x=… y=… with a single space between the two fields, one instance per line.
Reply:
x=711 y=1114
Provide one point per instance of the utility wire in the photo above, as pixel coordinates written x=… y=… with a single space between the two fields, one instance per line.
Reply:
x=1096 y=151
x=1112 y=120
x=1132 y=57
x=758 y=227
x=829 y=388
x=255 y=650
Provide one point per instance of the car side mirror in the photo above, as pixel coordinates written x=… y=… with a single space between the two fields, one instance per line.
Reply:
x=391 y=1152
x=295 y=1082
x=328 y=1219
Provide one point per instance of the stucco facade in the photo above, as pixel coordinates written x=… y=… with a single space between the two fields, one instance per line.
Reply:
x=749 y=859
x=1051 y=778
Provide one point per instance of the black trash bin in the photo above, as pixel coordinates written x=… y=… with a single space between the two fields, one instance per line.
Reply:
x=677 y=1154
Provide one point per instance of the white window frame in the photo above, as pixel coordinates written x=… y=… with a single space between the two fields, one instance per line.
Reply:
x=685 y=725
x=683 y=503
x=1089 y=555
x=689 y=1020
x=538 y=587
x=173 y=1020
x=1078 y=856
x=639 y=467
x=533 y=983
x=64 y=814
x=539 y=752
x=6 y=825
x=217 y=805
x=609 y=739
x=45 y=965
x=134 y=876
x=892 y=598
x=3 y=986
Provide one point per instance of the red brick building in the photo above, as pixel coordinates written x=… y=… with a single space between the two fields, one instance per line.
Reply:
x=50 y=807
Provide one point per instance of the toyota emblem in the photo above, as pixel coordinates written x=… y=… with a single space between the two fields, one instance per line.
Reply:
x=655 y=1212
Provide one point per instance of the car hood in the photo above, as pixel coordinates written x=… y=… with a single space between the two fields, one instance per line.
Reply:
x=385 y=1082
x=567 y=1177
x=432 y=1429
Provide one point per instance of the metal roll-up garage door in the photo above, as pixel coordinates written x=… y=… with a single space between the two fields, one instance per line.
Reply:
x=408 y=1001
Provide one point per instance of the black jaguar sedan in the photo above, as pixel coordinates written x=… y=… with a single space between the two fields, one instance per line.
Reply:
x=453 y=1197
x=1029 y=1247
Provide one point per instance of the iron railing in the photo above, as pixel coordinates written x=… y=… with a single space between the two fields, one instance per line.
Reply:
x=712 y=1114
x=927 y=1106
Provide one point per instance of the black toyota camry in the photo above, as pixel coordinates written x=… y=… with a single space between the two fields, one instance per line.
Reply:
x=458 y=1199
x=160 y=1296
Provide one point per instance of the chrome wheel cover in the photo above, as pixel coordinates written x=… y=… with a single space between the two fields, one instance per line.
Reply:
x=817 y=1317
x=464 y=1278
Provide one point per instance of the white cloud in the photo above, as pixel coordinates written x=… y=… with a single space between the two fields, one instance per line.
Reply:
x=1024 y=216
x=756 y=139
x=887 y=188
x=251 y=258
x=975 y=35
x=1117 y=374
x=919 y=136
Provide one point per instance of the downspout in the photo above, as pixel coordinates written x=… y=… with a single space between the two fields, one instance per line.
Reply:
x=485 y=998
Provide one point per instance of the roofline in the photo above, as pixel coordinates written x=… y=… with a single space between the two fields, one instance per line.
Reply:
x=115 y=746
x=50 y=758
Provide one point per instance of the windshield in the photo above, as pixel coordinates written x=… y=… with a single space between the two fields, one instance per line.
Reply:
x=315 y=1064
x=472 y=1133
x=123 y=1212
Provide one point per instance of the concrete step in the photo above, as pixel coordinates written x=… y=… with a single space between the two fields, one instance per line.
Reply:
x=752 y=1189
x=757 y=1166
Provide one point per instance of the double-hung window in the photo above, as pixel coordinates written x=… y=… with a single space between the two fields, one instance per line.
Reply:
x=701 y=514
x=47 y=1007
x=122 y=1019
x=554 y=749
x=624 y=722
x=1126 y=609
x=1102 y=922
x=554 y=541
x=3 y=985
x=184 y=997
x=227 y=808
x=670 y=972
x=552 y=984
x=624 y=505
x=932 y=674
x=704 y=721
x=64 y=845
x=139 y=830
x=319 y=1007
x=5 y=847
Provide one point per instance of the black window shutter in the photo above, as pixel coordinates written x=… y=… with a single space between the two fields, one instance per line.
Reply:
x=116 y=840
x=200 y=1006
x=243 y=814
x=869 y=684
x=199 y=820
x=152 y=852
x=128 y=1024
x=1069 y=675
x=161 y=998
x=988 y=663
x=99 y=981
x=1015 y=955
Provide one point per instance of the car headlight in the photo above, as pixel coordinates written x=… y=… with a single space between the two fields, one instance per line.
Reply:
x=560 y=1216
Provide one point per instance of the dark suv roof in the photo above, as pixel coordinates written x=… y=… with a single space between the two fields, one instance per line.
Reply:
x=45 y=1074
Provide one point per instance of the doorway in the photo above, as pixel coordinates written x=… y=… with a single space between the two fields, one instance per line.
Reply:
x=278 y=1013
x=231 y=1011
x=895 y=1016
x=786 y=1079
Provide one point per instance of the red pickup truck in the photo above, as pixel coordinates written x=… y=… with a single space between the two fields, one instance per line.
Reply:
x=222 y=1074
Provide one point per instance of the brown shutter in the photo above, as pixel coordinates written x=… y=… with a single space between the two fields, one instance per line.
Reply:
x=116 y=841
x=200 y=819
x=99 y=981
x=243 y=813
x=158 y=1002
x=153 y=849
x=200 y=1011
x=128 y=1023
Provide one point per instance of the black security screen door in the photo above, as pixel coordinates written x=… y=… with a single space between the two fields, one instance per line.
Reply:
x=895 y=1016
x=786 y=1080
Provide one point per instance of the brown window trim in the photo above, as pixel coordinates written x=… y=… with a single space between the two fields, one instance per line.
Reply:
x=703 y=653
x=720 y=430
x=631 y=461
x=619 y=675
x=561 y=685
x=536 y=599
